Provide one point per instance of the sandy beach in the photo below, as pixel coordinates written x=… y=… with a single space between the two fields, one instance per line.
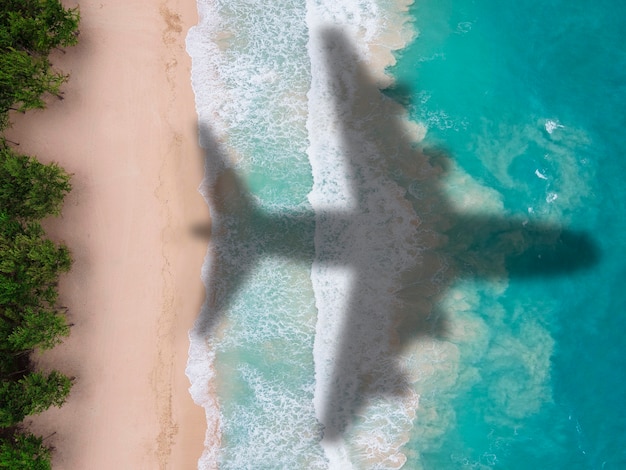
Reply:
x=127 y=131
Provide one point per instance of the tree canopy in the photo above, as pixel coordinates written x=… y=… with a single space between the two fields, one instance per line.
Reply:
x=29 y=31
x=30 y=263
x=30 y=319
x=31 y=394
x=24 y=452
x=28 y=188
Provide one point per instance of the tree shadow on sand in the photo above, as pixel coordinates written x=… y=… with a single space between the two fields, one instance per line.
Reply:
x=403 y=240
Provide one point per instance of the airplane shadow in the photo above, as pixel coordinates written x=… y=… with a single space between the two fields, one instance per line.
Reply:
x=400 y=211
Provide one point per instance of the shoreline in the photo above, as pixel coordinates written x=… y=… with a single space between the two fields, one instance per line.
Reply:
x=127 y=132
x=378 y=55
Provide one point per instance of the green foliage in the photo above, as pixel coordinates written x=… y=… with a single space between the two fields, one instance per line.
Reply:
x=29 y=189
x=30 y=264
x=24 y=452
x=29 y=30
x=24 y=79
x=38 y=328
x=37 y=26
x=31 y=394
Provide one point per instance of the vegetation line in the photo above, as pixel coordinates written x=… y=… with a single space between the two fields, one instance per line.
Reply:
x=30 y=263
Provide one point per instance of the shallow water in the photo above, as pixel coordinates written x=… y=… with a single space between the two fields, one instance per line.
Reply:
x=375 y=300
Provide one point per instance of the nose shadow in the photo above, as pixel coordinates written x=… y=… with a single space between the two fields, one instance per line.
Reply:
x=402 y=239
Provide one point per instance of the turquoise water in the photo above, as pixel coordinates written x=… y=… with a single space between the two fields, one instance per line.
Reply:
x=374 y=301
x=487 y=77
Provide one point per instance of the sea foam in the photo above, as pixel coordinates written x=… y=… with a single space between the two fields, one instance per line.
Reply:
x=289 y=109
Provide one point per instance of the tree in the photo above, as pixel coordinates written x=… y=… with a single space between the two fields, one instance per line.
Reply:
x=29 y=30
x=31 y=394
x=39 y=328
x=29 y=189
x=24 y=79
x=24 y=452
x=37 y=26
x=30 y=265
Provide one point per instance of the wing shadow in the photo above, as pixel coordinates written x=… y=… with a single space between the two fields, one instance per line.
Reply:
x=444 y=245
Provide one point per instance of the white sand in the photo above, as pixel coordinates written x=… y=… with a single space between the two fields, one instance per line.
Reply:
x=127 y=131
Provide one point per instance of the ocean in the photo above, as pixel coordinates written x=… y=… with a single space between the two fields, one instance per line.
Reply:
x=423 y=277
